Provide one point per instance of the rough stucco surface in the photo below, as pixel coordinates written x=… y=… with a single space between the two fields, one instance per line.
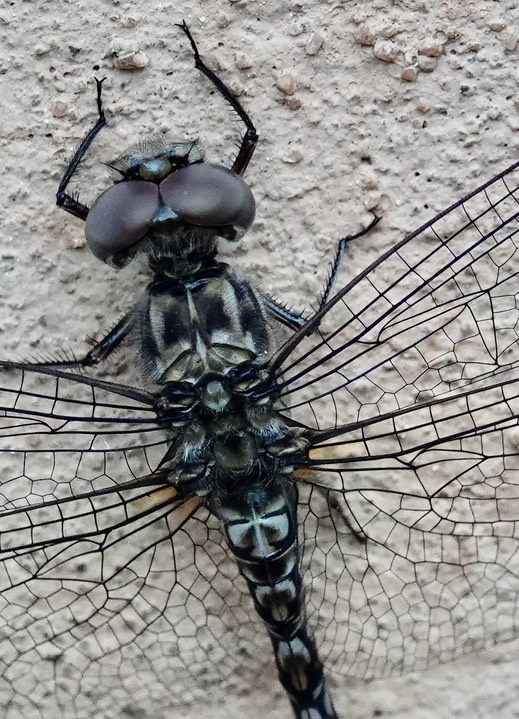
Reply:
x=399 y=108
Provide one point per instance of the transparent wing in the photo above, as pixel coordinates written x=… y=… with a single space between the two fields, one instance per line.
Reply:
x=117 y=597
x=113 y=592
x=410 y=489
x=436 y=311
x=411 y=535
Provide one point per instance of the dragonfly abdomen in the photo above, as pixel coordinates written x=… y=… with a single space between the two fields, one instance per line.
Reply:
x=259 y=523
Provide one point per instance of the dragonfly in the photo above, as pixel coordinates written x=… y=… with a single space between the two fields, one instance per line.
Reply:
x=333 y=495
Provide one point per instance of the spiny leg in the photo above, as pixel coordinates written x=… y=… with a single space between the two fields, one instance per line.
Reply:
x=250 y=138
x=99 y=351
x=63 y=199
x=341 y=246
x=282 y=314
x=295 y=320
x=112 y=339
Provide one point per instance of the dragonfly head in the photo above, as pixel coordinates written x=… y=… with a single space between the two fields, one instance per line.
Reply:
x=166 y=188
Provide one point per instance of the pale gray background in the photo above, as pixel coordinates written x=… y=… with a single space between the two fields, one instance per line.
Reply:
x=353 y=136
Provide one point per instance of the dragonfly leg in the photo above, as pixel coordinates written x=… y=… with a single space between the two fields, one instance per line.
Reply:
x=99 y=351
x=341 y=246
x=282 y=314
x=294 y=320
x=250 y=138
x=346 y=516
x=63 y=198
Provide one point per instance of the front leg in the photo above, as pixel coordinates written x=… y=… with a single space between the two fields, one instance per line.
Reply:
x=250 y=138
x=63 y=199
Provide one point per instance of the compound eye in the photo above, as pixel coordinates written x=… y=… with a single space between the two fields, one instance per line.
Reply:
x=209 y=196
x=120 y=216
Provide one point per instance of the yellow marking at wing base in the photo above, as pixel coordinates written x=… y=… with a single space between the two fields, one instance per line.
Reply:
x=161 y=497
x=327 y=452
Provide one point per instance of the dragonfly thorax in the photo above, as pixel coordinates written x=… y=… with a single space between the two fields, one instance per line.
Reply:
x=225 y=454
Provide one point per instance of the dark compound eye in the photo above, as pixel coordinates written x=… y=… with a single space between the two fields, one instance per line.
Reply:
x=209 y=195
x=120 y=216
x=202 y=194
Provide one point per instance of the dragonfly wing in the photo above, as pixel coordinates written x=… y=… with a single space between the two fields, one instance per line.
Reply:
x=410 y=529
x=436 y=311
x=114 y=592
x=405 y=386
